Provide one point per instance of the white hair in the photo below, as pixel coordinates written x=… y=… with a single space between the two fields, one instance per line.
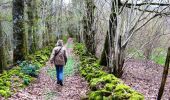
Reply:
x=59 y=43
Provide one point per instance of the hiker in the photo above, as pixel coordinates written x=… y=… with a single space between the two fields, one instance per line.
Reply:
x=59 y=59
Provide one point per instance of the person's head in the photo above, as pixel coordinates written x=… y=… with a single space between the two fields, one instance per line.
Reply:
x=59 y=43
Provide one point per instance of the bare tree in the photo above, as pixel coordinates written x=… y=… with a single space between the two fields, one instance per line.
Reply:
x=122 y=29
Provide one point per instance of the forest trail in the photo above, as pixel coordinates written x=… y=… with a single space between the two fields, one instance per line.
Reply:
x=45 y=87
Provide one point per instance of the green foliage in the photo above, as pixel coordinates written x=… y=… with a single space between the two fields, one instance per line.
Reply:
x=79 y=49
x=41 y=56
x=104 y=86
x=29 y=69
x=65 y=38
x=159 y=56
x=5 y=81
x=26 y=81
x=21 y=76
x=5 y=93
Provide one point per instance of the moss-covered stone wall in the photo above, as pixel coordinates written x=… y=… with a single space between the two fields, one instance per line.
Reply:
x=103 y=86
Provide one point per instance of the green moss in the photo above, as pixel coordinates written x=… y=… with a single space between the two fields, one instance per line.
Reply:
x=89 y=76
x=104 y=86
x=121 y=88
x=5 y=93
x=110 y=86
x=99 y=95
x=122 y=92
x=83 y=73
x=8 y=83
x=94 y=82
x=136 y=96
x=20 y=79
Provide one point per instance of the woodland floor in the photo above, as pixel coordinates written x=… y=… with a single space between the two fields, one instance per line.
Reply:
x=46 y=88
x=145 y=77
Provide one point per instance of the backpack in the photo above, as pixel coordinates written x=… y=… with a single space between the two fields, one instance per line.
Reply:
x=60 y=57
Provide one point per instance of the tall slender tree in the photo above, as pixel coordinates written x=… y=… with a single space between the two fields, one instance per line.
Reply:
x=20 y=44
x=32 y=25
x=88 y=26
x=3 y=60
x=164 y=75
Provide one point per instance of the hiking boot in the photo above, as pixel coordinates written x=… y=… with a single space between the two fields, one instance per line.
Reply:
x=58 y=82
x=61 y=83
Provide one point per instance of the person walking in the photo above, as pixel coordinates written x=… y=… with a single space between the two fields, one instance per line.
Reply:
x=59 y=59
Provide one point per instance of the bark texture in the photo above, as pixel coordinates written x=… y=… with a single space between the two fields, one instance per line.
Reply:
x=20 y=44
x=88 y=22
x=3 y=60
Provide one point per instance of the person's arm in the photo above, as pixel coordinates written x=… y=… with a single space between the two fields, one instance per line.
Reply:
x=52 y=56
x=65 y=55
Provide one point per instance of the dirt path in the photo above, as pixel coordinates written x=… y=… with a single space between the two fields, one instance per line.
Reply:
x=145 y=77
x=45 y=88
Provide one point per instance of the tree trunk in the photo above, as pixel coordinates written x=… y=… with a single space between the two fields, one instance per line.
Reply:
x=3 y=60
x=115 y=60
x=30 y=25
x=104 y=57
x=33 y=26
x=89 y=33
x=20 y=46
x=164 y=75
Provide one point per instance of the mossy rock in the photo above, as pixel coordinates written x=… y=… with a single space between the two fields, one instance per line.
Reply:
x=122 y=92
x=8 y=83
x=108 y=78
x=83 y=73
x=5 y=93
x=96 y=84
x=104 y=86
x=99 y=95
x=110 y=86
x=136 y=96
x=89 y=76
x=96 y=64
x=121 y=88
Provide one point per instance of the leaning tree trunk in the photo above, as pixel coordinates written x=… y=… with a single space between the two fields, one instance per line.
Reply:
x=3 y=60
x=20 y=44
x=164 y=76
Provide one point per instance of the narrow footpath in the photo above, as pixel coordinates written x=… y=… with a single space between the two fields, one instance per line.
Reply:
x=45 y=87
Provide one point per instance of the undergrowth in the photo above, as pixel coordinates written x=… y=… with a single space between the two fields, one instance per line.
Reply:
x=20 y=76
x=103 y=86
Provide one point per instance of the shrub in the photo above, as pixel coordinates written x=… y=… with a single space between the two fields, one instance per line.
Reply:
x=29 y=69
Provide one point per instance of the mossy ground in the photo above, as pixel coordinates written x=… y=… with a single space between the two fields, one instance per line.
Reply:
x=103 y=86
x=20 y=76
